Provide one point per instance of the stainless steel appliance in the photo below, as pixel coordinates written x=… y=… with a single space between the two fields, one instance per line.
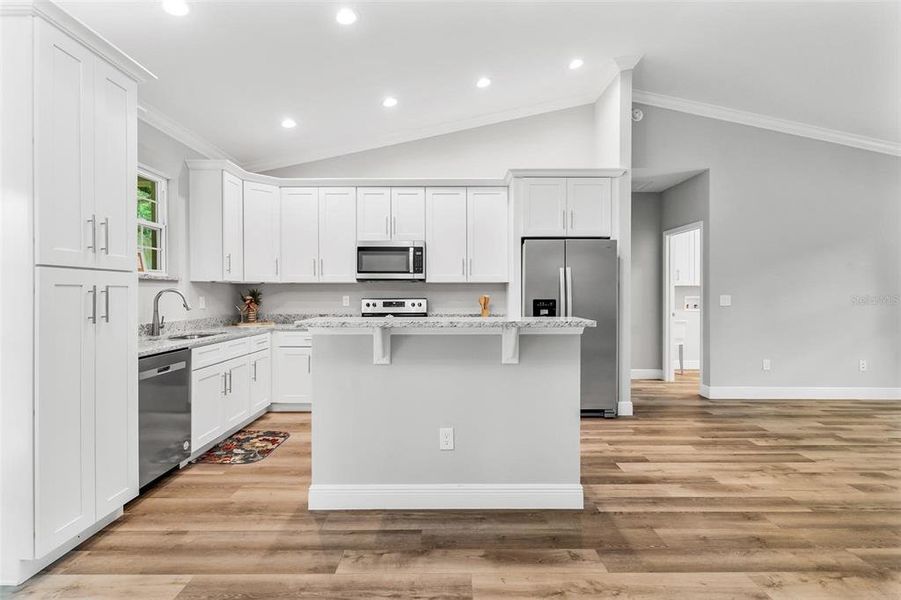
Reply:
x=391 y=260
x=164 y=413
x=578 y=277
x=395 y=307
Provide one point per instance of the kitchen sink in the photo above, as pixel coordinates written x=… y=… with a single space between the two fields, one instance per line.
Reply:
x=192 y=336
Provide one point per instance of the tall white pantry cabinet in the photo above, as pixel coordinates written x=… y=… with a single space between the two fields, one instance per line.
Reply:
x=69 y=160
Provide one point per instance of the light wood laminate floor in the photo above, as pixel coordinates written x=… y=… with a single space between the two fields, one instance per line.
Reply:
x=691 y=498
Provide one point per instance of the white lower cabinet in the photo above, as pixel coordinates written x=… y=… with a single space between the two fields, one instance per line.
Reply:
x=227 y=393
x=292 y=371
x=86 y=417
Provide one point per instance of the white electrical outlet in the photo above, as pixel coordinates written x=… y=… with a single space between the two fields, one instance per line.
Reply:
x=766 y=364
x=345 y=300
x=862 y=365
x=725 y=299
x=201 y=302
x=446 y=438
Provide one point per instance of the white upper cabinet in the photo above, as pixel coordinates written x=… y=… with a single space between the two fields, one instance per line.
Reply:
x=408 y=213
x=544 y=206
x=374 y=214
x=299 y=235
x=445 y=235
x=337 y=234
x=232 y=240
x=262 y=207
x=487 y=234
x=589 y=206
x=557 y=207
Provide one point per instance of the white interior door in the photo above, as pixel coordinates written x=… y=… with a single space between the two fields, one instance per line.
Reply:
x=261 y=232
x=299 y=234
x=408 y=213
x=116 y=392
x=590 y=206
x=338 y=235
x=373 y=214
x=445 y=249
x=64 y=488
x=65 y=224
x=487 y=234
x=544 y=206
x=115 y=164
x=232 y=228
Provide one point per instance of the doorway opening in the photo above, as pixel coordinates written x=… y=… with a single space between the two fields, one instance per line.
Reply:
x=683 y=335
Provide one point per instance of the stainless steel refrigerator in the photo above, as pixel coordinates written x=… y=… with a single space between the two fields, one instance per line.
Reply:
x=578 y=277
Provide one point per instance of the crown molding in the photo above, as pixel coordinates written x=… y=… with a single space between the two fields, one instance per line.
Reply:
x=175 y=130
x=750 y=119
x=287 y=160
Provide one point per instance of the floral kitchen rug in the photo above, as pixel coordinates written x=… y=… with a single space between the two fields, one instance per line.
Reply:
x=243 y=447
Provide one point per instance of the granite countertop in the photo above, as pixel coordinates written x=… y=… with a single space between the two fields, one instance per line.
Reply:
x=447 y=322
x=148 y=346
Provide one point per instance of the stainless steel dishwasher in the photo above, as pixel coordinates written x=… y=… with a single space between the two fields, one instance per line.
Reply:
x=164 y=413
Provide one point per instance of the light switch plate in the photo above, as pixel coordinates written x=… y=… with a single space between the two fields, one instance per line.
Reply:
x=201 y=302
x=345 y=300
x=725 y=299
x=446 y=438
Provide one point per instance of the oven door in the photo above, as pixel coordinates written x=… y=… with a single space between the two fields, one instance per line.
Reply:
x=388 y=260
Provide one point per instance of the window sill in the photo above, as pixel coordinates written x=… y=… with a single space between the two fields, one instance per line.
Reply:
x=156 y=277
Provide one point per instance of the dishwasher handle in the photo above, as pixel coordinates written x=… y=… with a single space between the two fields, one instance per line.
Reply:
x=164 y=370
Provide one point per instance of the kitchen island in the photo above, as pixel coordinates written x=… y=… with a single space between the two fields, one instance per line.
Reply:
x=446 y=413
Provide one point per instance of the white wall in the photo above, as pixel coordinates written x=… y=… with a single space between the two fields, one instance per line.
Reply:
x=796 y=230
x=647 y=259
x=561 y=138
x=167 y=156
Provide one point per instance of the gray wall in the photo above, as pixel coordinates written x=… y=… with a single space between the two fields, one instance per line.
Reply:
x=647 y=259
x=797 y=231
x=563 y=138
x=166 y=155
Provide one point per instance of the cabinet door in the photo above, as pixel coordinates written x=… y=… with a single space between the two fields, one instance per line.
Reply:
x=232 y=228
x=208 y=386
x=293 y=375
x=445 y=250
x=116 y=392
x=299 y=234
x=589 y=204
x=261 y=232
x=64 y=406
x=65 y=227
x=543 y=206
x=338 y=235
x=408 y=214
x=260 y=381
x=115 y=163
x=236 y=404
x=680 y=257
x=487 y=234
x=373 y=214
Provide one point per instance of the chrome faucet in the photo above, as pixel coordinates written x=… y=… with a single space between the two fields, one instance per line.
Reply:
x=157 y=325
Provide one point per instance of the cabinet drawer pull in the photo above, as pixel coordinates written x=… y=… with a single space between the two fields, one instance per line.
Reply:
x=314 y=266
x=387 y=232
x=105 y=293
x=93 y=293
x=224 y=384
x=105 y=226
x=93 y=245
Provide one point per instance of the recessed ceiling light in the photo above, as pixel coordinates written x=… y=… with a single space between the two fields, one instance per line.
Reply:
x=346 y=16
x=483 y=82
x=389 y=102
x=178 y=8
x=576 y=63
x=289 y=123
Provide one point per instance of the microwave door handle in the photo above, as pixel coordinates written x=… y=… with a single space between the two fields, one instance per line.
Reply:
x=411 y=259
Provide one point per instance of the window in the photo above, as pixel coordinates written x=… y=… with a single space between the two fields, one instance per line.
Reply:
x=152 y=190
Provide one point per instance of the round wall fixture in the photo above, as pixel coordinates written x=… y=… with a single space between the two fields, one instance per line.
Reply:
x=637 y=114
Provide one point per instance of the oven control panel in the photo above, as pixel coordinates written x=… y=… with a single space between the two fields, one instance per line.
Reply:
x=381 y=307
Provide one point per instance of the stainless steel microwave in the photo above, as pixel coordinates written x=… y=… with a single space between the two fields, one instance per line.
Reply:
x=396 y=260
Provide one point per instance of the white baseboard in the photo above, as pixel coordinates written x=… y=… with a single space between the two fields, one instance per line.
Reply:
x=722 y=392
x=647 y=373
x=290 y=407
x=693 y=364
x=624 y=408
x=445 y=496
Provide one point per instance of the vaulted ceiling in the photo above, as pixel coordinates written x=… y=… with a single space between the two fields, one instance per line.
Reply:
x=229 y=72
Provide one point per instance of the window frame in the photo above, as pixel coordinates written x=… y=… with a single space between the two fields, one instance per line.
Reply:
x=161 y=225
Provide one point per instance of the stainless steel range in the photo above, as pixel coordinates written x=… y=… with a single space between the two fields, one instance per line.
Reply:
x=396 y=307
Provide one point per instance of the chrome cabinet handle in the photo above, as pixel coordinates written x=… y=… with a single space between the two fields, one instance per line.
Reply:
x=254 y=371
x=387 y=231
x=314 y=266
x=93 y=244
x=572 y=218
x=93 y=293
x=463 y=266
x=276 y=266
x=470 y=267
x=225 y=384
x=229 y=381
x=321 y=267
x=105 y=293
x=228 y=263
x=105 y=226
x=563 y=212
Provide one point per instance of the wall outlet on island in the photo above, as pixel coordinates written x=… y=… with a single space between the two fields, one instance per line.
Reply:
x=345 y=300
x=862 y=365
x=446 y=438
x=766 y=364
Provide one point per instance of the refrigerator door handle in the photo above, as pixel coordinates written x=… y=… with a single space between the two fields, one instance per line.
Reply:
x=562 y=310
x=569 y=291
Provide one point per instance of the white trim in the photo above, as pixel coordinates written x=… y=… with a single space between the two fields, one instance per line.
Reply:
x=724 y=392
x=156 y=119
x=624 y=408
x=647 y=373
x=666 y=350
x=566 y=496
x=290 y=407
x=162 y=222
x=690 y=364
x=750 y=119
